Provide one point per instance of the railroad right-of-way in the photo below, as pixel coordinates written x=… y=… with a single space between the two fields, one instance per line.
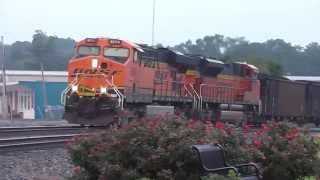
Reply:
x=40 y=137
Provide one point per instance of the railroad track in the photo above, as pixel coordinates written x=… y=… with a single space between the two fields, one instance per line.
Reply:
x=7 y=132
x=44 y=137
x=41 y=137
x=315 y=132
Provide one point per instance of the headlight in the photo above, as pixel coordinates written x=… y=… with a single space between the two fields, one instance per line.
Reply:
x=94 y=63
x=103 y=90
x=113 y=95
x=74 y=88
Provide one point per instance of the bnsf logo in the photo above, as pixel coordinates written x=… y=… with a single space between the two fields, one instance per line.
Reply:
x=95 y=71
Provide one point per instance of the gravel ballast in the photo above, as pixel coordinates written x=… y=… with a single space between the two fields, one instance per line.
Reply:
x=53 y=164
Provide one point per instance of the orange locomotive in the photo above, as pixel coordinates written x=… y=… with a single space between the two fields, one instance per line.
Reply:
x=107 y=76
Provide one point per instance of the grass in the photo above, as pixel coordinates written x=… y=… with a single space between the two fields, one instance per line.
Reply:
x=310 y=178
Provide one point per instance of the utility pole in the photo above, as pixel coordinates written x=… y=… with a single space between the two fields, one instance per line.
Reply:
x=44 y=92
x=153 y=21
x=4 y=84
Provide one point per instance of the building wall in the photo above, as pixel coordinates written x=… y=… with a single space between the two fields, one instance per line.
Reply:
x=20 y=102
x=52 y=94
x=26 y=96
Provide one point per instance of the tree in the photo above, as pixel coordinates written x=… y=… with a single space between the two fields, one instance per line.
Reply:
x=266 y=66
x=274 y=56
x=52 y=51
x=20 y=54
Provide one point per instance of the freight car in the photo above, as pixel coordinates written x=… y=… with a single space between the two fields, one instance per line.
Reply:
x=110 y=78
x=313 y=102
x=282 y=99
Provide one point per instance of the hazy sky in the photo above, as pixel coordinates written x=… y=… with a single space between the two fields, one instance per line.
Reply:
x=296 y=21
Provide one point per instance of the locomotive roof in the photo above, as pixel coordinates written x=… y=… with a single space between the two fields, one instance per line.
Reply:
x=174 y=56
x=214 y=61
x=249 y=65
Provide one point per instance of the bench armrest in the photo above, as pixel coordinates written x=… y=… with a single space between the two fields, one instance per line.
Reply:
x=222 y=169
x=257 y=171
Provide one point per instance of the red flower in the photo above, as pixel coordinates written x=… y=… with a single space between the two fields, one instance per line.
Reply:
x=244 y=135
x=247 y=147
x=260 y=132
x=257 y=143
x=193 y=124
x=220 y=125
x=265 y=128
x=228 y=130
x=246 y=128
x=208 y=129
x=292 y=134
x=154 y=124
x=275 y=125
x=178 y=118
x=199 y=141
x=76 y=169
x=67 y=142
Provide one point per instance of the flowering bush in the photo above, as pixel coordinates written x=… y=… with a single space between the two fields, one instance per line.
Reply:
x=151 y=149
x=284 y=151
x=289 y=152
x=160 y=149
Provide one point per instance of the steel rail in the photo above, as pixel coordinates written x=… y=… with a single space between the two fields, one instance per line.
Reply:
x=6 y=132
x=35 y=142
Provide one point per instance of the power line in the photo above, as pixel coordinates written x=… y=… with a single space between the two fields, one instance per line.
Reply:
x=153 y=21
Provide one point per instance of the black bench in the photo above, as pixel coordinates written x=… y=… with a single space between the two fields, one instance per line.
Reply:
x=213 y=162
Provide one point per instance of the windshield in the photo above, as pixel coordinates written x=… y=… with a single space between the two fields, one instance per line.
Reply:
x=118 y=54
x=88 y=50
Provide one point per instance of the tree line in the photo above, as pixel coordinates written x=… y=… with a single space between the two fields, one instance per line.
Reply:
x=51 y=51
x=274 y=56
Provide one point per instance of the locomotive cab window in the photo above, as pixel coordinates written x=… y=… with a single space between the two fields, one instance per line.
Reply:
x=135 y=57
x=88 y=51
x=117 y=54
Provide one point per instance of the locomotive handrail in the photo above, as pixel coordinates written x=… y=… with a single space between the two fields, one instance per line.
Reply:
x=65 y=91
x=201 y=94
x=197 y=103
x=120 y=95
x=111 y=84
x=180 y=83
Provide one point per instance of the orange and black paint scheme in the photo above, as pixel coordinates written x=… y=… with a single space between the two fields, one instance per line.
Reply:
x=108 y=76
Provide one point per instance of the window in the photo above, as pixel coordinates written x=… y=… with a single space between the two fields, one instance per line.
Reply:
x=148 y=59
x=135 y=57
x=88 y=51
x=25 y=102
x=117 y=54
x=29 y=102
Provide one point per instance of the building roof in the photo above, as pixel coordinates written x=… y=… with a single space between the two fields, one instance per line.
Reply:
x=49 y=76
x=35 y=73
x=9 y=83
x=304 y=78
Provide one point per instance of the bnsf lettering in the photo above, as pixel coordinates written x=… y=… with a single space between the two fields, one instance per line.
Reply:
x=90 y=71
